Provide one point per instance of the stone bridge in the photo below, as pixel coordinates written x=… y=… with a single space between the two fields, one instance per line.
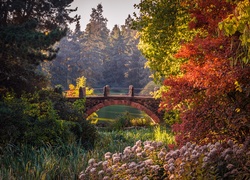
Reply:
x=145 y=103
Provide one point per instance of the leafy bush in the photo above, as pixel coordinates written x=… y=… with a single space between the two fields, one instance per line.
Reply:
x=141 y=121
x=152 y=160
x=41 y=118
x=122 y=121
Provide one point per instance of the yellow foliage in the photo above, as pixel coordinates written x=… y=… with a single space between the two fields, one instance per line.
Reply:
x=71 y=87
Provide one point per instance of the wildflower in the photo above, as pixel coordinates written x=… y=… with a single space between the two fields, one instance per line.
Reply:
x=159 y=144
x=132 y=165
x=239 y=152
x=138 y=149
x=205 y=159
x=194 y=152
x=217 y=145
x=116 y=159
x=194 y=156
x=105 y=164
x=165 y=167
x=146 y=143
x=93 y=170
x=91 y=161
x=171 y=161
x=235 y=172
x=151 y=149
x=138 y=143
x=128 y=171
x=212 y=146
x=109 y=170
x=230 y=166
x=213 y=152
x=106 y=178
x=147 y=146
x=172 y=177
x=134 y=148
x=149 y=162
x=155 y=144
x=124 y=165
x=227 y=158
x=161 y=155
x=82 y=176
x=127 y=150
x=182 y=150
x=230 y=143
x=203 y=148
x=177 y=152
x=226 y=151
x=142 y=170
x=116 y=155
x=107 y=155
x=145 y=178
x=186 y=154
x=155 y=168
x=171 y=168
x=114 y=167
x=188 y=144
x=139 y=154
x=100 y=173
x=181 y=171
x=88 y=169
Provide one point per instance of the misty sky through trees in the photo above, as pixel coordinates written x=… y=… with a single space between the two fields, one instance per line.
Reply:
x=101 y=55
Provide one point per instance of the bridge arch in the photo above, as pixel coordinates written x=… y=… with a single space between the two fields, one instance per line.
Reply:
x=136 y=105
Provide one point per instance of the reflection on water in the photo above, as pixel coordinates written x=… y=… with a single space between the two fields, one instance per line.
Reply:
x=112 y=112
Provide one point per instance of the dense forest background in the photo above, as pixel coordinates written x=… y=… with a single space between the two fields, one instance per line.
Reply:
x=104 y=57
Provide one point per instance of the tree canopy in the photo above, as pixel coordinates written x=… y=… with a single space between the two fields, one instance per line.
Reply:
x=103 y=56
x=211 y=50
x=28 y=31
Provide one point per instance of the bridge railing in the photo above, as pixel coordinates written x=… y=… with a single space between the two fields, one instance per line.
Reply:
x=114 y=91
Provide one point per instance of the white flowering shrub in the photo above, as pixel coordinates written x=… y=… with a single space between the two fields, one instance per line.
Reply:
x=152 y=160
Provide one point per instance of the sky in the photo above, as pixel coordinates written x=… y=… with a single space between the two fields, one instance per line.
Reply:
x=116 y=11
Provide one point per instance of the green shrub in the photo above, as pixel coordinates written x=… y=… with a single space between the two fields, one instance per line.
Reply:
x=43 y=117
x=141 y=121
x=122 y=121
x=171 y=117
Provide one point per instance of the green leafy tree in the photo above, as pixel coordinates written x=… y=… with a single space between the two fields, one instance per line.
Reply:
x=162 y=26
x=238 y=22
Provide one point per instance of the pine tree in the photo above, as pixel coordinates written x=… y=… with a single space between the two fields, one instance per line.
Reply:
x=28 y=31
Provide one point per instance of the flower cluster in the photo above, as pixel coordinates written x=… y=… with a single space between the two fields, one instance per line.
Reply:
x=151 y=160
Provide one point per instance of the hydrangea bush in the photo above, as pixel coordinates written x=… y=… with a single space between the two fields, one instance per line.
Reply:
x=152 y=160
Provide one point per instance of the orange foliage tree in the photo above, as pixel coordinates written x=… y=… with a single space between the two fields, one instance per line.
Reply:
x=212 y=94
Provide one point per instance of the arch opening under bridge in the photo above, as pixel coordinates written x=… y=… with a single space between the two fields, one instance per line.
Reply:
x=145 y=103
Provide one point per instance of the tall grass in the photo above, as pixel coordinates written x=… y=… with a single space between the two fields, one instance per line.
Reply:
x=24 y=162
x=66 y=161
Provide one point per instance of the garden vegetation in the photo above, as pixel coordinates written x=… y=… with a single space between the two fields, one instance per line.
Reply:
x=198 y=53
